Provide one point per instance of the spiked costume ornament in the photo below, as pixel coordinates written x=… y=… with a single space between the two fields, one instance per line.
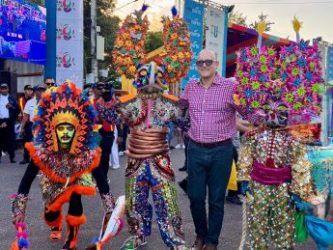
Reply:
x=65 y=150
x=273 y=167
x=149 y=167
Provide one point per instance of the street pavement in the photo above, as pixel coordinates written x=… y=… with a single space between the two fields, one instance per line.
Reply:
x=11 y=174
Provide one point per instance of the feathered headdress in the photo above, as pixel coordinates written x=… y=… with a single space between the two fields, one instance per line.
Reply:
x=129 y=52
x=65 y=104
x=293 y=75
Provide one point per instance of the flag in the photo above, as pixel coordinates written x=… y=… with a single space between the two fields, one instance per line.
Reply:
x=22 y=49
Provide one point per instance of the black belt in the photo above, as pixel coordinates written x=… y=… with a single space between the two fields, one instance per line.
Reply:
x=212 y=144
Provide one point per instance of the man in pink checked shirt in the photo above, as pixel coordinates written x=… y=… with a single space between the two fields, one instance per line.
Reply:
x=212 y=114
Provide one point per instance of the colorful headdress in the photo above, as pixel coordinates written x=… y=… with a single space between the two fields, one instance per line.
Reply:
x=293 y=75
x=129 y=53
x=64 y=104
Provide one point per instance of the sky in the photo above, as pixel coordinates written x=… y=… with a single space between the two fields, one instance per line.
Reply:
x=316 y=15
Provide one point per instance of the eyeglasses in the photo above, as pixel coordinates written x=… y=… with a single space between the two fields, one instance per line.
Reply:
x=201 y=63
x=50 y=83
x=100 y=87
x=106 y=87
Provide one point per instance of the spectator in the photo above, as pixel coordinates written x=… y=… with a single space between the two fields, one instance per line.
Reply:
x=122 y=133
x=28 y=94
x=8 y=114
x=210 y=151
x=114 y=159
x=49 y=82
x=105 y=105
x=29 y=111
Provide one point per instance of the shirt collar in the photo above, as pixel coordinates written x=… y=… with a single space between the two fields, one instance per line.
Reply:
x=217 y=79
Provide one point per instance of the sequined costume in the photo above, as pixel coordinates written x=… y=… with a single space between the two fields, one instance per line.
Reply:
x=270 y=213
x=65 y=150
x=273 y=164
x=149 y=168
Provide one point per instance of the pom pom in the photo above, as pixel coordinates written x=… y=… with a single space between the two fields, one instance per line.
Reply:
x=261 y=27
x=297 y=25
x=23 y=243
x=144 y=7
x=174 y=11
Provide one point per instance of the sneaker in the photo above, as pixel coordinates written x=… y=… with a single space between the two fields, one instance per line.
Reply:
x=181 y=247
x=115 y=166
x=182 y=169
x=198 y=244
x=24 y=162
x=183 y=146
x=3 y=153
x=133 y=243
x=121 y=153
x=178 y=146
x=210 y=247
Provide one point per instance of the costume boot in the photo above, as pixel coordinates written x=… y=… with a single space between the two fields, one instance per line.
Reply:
x=73 y=225
x=54 y=220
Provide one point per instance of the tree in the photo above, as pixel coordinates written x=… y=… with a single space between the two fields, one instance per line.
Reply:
x=154 y=41
x=238 y=18
x=262 y=17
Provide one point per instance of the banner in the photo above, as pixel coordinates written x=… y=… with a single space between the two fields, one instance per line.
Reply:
x=194 y=15
x=329 y=66
x=215 y=34
x=69 y=59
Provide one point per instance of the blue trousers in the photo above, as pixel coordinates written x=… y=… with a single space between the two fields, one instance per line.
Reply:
x=208 y=167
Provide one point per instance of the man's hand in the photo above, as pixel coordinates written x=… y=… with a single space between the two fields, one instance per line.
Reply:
x=22 y=132
x=119 y=140
x=315 y=200
x=9 y=106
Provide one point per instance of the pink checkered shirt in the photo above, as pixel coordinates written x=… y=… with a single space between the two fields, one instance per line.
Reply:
x=212 y=111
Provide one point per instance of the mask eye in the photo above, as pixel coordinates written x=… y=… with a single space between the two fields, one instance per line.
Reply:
x=266 y=107
x=282 y=108
x=143 y=72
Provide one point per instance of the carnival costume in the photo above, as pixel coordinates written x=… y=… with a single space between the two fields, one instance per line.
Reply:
x=273 y=166
x=65 y=150
x=149 y=167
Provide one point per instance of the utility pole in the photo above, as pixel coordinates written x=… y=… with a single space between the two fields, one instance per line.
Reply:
x=94 y=64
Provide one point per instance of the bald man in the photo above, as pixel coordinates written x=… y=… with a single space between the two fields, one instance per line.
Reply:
x=210 y=151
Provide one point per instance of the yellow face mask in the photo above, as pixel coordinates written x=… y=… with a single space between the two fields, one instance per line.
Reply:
x=65 y=133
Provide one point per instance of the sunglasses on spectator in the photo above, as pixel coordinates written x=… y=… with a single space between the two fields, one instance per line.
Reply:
x=207 y=63
x=101 y=87
x=50 y=83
